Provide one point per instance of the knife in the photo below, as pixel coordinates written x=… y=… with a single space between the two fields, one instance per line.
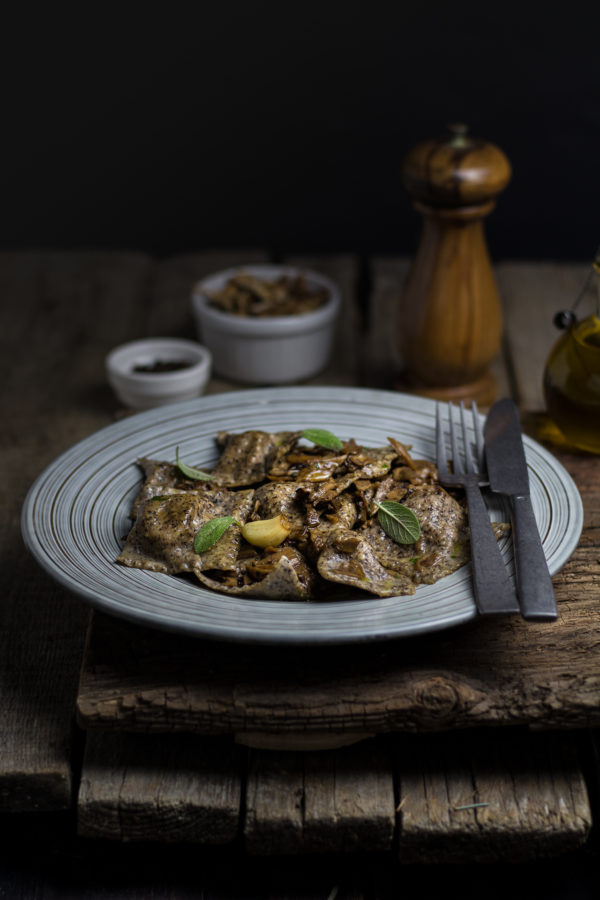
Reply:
x=507 y=473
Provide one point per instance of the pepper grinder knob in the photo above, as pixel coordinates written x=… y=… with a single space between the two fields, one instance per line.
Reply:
x=450 y=316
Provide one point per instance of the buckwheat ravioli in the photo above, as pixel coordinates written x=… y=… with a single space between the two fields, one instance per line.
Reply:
x=322 y=507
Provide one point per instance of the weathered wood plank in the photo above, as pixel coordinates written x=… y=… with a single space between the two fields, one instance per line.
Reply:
x=274 y=800
x=508 y=796
x=41 y=642
x=483 y=673
x=532 y=292
x=336 y=801
x=484 y=797
x=60 y=314
x=349 y=800
x=591 y=755
x=151 y=788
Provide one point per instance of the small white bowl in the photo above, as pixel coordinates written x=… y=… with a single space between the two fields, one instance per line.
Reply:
x=270 y=349
x=143 y=390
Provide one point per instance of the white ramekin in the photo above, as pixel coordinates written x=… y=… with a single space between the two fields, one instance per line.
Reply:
x=143 y=390
x=270 y=349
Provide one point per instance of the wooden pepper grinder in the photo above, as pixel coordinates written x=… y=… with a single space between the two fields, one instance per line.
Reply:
x=450 y=318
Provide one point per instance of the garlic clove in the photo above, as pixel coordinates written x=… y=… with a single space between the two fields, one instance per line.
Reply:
x=266 y=532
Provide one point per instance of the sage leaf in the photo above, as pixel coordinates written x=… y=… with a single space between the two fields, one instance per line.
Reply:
x=211 y=531
x=398 y=521
x=190 y=472
x=322 y=438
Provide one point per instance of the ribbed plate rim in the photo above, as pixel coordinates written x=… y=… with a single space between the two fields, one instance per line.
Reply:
x=70 y=527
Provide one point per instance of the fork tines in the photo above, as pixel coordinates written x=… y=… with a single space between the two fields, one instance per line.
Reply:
x=472 y=464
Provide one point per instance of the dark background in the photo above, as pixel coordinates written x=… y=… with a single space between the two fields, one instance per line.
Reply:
x=282 y=125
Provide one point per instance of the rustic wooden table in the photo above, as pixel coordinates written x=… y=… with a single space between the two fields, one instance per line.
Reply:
x=478 y=744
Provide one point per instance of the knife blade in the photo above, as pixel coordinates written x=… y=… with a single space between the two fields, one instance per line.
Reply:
x=507 y=473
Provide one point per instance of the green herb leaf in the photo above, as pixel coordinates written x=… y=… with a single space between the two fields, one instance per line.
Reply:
x=322 y=438
x=189 y=472
x=398 y=521
x=211 y=531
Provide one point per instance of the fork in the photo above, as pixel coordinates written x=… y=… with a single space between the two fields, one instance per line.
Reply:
x=494 y=592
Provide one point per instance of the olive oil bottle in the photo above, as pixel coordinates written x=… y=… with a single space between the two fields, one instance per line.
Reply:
x=572 y=374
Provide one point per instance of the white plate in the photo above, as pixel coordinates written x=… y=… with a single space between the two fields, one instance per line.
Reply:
x=75 y=517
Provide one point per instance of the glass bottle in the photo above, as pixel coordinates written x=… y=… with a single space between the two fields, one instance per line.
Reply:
x=572 y=374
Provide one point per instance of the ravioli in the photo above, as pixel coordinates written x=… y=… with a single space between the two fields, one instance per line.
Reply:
x=328 y=500
x=162 y=538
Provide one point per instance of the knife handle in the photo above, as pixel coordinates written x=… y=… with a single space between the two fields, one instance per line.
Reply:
x=534 y=584
x=492 y=587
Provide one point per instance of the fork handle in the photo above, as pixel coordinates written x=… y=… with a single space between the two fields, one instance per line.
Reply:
x=492 y=586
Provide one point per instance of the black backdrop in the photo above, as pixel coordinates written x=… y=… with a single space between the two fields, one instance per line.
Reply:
x=179 y=127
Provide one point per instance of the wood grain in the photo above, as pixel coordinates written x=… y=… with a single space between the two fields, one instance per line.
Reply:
x=60 y=314
x=498 y=797
x=450 y=316
x=483 y=673
x=140 y=788
x=338 y=801
x=383 y=365
x=492 y=797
